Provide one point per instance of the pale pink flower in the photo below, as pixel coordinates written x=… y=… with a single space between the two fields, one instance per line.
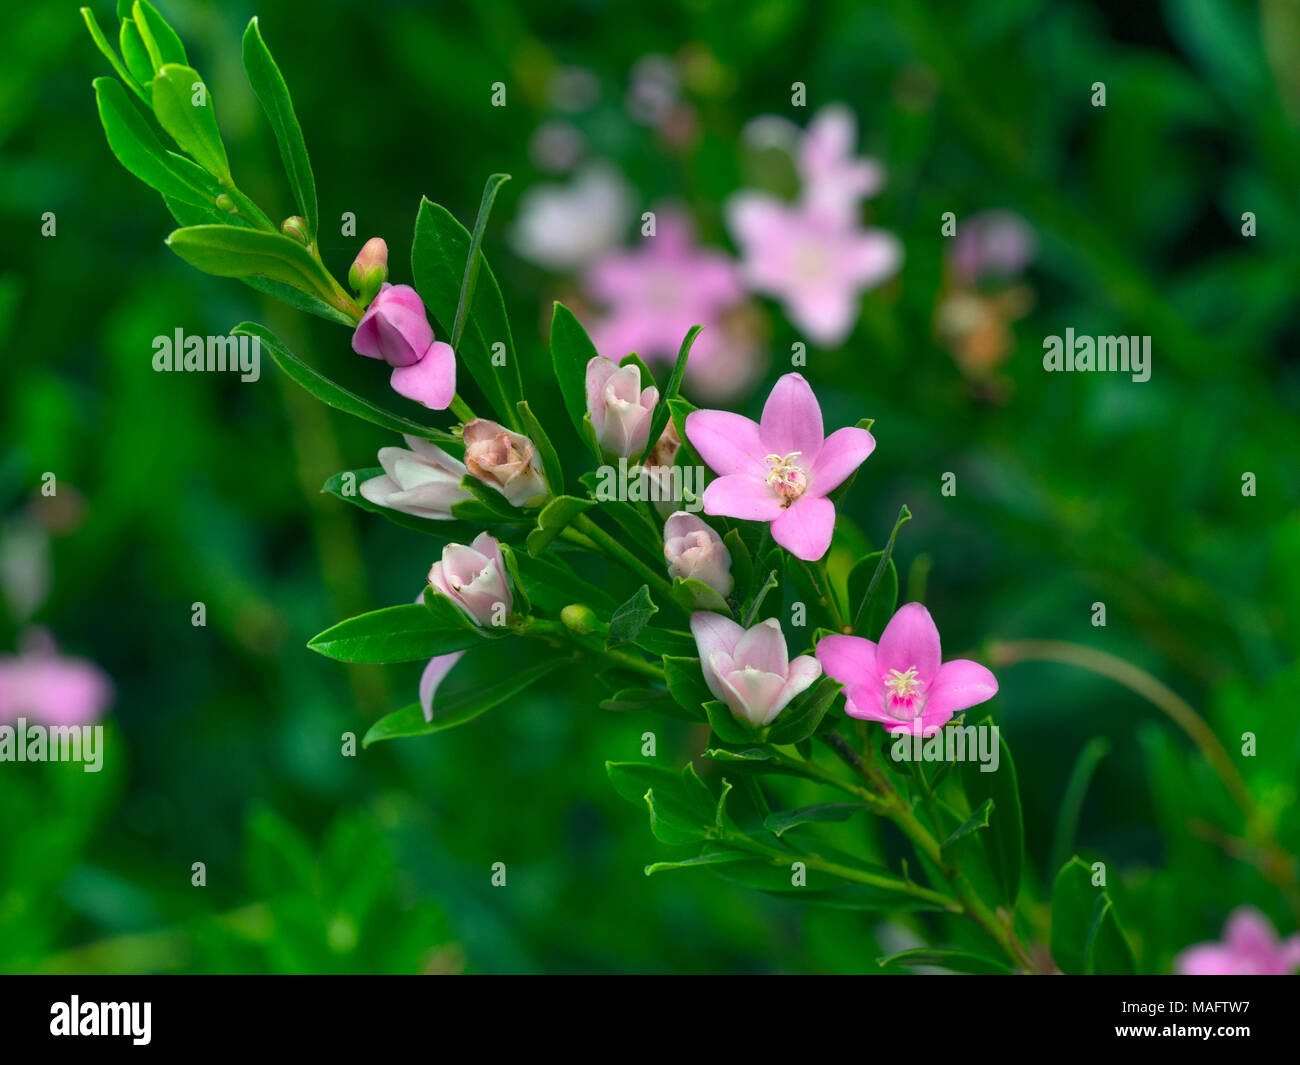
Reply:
x=424 y=481
x=812 y=258
x=1250 y=947
x=506 y=461
x=693 y=550
x=655 y=294
x=781 y=469
x=621 y=410
x=474 y=578
x=565 y=227
x=833 y=177
x=902 y=682
x=992 y=244
x=750 y=670
x=51 y=688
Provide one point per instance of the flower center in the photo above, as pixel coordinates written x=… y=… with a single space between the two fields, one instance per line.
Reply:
x=786 y=477
x=903 y=689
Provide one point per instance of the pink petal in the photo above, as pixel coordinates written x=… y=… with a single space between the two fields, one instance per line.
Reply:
x=826 y=314
x=959 y=684
x=865 y=702
x=754 y=694
x=433 y=675
x=805 y=528
x=727 y=442
x=792 y=419
x=431 y=381
x=1248 y=930
x=1209 y=959
x=763 y=647
x=849 y=659
x=714 y=633
x=875 y=256
x=803 y=673
x=910 y=641
x=739 y=496
x=842 y=453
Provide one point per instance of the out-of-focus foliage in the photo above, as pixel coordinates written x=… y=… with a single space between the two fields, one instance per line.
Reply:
x=224 y=745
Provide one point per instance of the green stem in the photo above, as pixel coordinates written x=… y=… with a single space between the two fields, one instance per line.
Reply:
x=461 y=409
x=611 y=548
x=594 y=643
x=825 y=595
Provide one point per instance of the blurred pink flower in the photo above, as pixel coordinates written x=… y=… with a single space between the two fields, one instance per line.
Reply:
x=653 y=296
x=902 y=681
x=50 y=688
x=566 y=226
x=811 y=257
x=781 y=469
x=833 y=178
x=1250 y=947
x=997 y=243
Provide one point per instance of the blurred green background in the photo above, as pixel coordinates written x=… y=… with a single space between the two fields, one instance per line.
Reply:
x=1072 y=489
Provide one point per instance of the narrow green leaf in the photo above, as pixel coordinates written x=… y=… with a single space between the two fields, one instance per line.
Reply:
x=635 y=699
x=686 y=685
x=552 y=584
x=461 y=707
x=957 y=961
x=472 y=258
x=439 y=256
x=875 y=611
x=535 y=432
x=335 y=395
x=1086 y=937
x=978 y=819
x=143 y=155
x=709 y=858
x=742 y=564
x=273 y=94
x=1067 y=818
x=553 y=520
x=571 y=351
x=408 y=633
x=158 y=37
x=633 y=616
x=234 y=251
x=781 y=821
x=695 y=595
x=106 y=49
x=184 y=109
x=859 y=615
x=672 y=389
x=1004 y=839
x=134 y=53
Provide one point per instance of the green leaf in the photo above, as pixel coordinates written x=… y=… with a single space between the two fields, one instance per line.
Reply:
x=106 y=49
x=636 y=699
x=742 y=564
x=686 y=685
x=236 y=251
x=273 y=94
x=143 y=155
x=1004 y=839
x=682 y=810
x=134 y=53
x=408 y=633
x=553 y=520
x=472 y=259
x=335 y=395
x=1067 y=818
x=728 y=728
x=776 y=878
x=957 y=961
x=161 y=41
x=873 y=613
x=522 y=605
x=459 y=708
x=633 y=616
x=192 y=125
x=782 y=821
x=535 y=432
x=977 y=820
x=571 y=350
x=277 y=860
x=708 y=858
x=673 y=388
x=1086 y=937
x=633 y=520
x=439 y=256
x=695 y=595
x=553 y=585
x=800 y=719
x=884 y=562
x=299 y=300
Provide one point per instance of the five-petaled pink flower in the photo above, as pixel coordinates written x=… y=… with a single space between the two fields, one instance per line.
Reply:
x=1250 y=947
x=902 y=681
x=780 y=469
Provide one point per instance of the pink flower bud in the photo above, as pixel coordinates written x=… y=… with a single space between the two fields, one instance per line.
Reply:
x=620 y=410
x=474 y=578
x=506 y=461
x=369 y=269
x=694 y=550
x=394 y=327
x=750 y=670
x=424 y=481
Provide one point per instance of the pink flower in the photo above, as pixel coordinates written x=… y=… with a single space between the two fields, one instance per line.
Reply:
x=781 y=469
x=621 y=411
x=1250 y=947
x=434 y=674
x=901 y=682
x=654 y=295
x=474 y=578
x=424 y=481
x=51 y=688
x=693 y=550
x=992 y=243
x=812 y=258
x=396 y=329
x=506 y=461
x=750 y=670
x=833 y=178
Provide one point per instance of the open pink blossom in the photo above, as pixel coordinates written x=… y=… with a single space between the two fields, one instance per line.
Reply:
x=812 y=258
x=901 y=681
x=781 y=469
x=833 y=177
x=1250 y=947
x=396 y=328
x=621 y=410
x=474 y=577
x=50 y=688
x=655 y=294
x=750 y=670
